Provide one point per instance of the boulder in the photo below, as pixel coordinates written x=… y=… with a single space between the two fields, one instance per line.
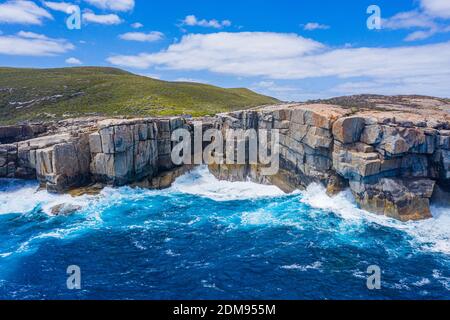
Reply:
x=107 y=139
x=95 y=143
x=318 y=138
x=64 y=209
x=395 y=145
x=348 y=130
x=372 y=134
x=404 y=200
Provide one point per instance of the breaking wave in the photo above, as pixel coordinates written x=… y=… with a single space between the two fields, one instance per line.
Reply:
x=18 y=197
x=249 y=240
x=202 y=183
x=432 y=234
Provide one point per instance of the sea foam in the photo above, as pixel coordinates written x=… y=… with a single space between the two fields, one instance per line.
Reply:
x=202 y=183
x=18 y=197
x=432 y=234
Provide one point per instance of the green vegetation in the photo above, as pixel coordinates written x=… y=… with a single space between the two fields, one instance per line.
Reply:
x=45 y=94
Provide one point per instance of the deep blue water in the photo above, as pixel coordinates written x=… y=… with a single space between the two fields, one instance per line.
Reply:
x=205 y=239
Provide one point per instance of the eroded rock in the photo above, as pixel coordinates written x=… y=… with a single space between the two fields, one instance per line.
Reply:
x=64 y=209
x=391 y=152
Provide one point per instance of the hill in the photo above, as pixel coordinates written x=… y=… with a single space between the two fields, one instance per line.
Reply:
x=44 y=94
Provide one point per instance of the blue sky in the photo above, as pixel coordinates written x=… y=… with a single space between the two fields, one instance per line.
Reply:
x=290 y=49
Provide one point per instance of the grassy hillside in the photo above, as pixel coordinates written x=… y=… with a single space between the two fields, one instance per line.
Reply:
x=43 y=94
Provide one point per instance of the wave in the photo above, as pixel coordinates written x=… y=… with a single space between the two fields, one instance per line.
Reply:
x=432 y=234
x=315 y=266
x=202 y=183
x=18 y=197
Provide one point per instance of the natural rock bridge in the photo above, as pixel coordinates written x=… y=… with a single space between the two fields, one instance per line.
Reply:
x=392 y=152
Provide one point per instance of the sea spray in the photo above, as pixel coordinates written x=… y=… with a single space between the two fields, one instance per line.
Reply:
x=249 y=241
x=432 y=234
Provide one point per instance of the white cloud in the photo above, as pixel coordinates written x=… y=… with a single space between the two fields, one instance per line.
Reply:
x=437 y=8
x=274 y=87
x=193 y=80
x=222 y=51
x=58 y=6
x=421 y=35
x=193 y=21
x=108 y=19
x=32 y=35
x=142 y=37
x=426 y=20
x=432 y=85
x=22 y=12
x=150 y=75
x=137 y=25
x=114 y=5
x=73 y=61
x=408 y=20
x=32 y=44
x=292 y=57
x=310 y=26
x=137 y=62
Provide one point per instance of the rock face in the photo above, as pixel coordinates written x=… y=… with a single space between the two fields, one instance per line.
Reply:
x=392 y=152
x=79 y=153
x=10 y=134
x=393 y=160
x=123 y=151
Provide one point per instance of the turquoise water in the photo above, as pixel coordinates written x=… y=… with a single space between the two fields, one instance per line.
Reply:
x=206 y=239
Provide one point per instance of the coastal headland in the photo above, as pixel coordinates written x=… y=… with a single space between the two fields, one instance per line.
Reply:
x=392 y=152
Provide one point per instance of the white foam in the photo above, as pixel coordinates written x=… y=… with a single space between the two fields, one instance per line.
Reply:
x=342 y=204
x=201 y=182
x=267 y=217
x=432 y=234
x=444 y=281
x=28 y=197
x=315 y=266
x=72 y=230
x=422 y=282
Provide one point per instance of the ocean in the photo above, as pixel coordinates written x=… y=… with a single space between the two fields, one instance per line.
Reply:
x=210 y=239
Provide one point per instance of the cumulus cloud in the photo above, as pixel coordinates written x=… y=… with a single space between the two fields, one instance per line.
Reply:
x=107 y=19
x=220 y=51
x=437 y=8
x=58 y=6
x=73 y=61
x=33 y=44
x=292 y=57
x=310 y=26
x=22 y=12
x=193 y=21
x=114 y=5
x=142 y=37
x=139 y=61
x=137 y=25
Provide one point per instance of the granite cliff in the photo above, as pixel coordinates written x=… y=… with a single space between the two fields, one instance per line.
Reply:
x=392 y=152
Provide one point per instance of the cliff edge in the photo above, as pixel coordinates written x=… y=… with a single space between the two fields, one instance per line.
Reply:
x=392 y=152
